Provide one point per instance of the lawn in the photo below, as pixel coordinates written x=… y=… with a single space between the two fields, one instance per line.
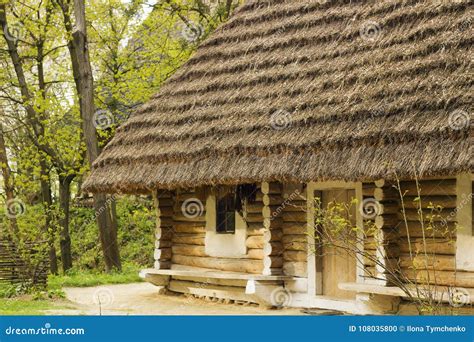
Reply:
x=14 y=302
x=73 y=278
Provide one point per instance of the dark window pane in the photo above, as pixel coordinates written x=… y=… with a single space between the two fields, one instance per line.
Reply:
x=226 y=214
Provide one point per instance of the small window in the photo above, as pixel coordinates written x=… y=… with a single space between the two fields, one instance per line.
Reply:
x=226 y=208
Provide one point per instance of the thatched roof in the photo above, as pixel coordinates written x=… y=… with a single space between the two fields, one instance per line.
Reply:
x=307 y=90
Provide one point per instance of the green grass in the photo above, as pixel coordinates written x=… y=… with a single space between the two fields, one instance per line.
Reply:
x=25 y=306
x=83 y=278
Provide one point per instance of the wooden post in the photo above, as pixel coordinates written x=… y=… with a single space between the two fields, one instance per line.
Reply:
x=272 y=263
x=386 y=238
x=164 y=229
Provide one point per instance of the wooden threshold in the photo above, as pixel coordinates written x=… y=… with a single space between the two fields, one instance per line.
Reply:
x=216 y=275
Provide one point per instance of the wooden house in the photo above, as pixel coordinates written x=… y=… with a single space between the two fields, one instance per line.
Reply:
x=294 y=104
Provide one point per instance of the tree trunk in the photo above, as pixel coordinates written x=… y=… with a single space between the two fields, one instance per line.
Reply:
x=7 y=181
x=65 y=238
x=47 y=201
x=82 y=71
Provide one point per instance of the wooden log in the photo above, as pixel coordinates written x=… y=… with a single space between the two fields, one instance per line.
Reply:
x=255 y=207
x=273 y=248
x=388 y=250
x=296 y=205
x=294 y=228
x=189 y=228
x=162 y=254
x=295 y=269
x=388 y=207
x=223 y=264
x=164 y=222
x=254 y=242
x=386 y=194
x=294 y=238
x=255 y=228
x=163 y=243
x=269 y=199
x=164 y=233
x=442 y=278
x=436 y=262
x=254 y=218
x=210 y=291
x=381 y=183
x=294 y=216
x=271 y=188
x=166 y=202
x=189 y=250
x=180 y=217
x=192 y=195
x=368 y=189
x=295 y=246
x=272 y=223
x=438 y=230
x=432 y=246
x=162 y=265
x=445 y=187
x=189 y=239
x=255 y=254
x=165 y=211
x=386 y=221
x=272 y=262
x=272 y=235
x=445 y=202
x=427 y=215
x=295 y=256
x=388 y=235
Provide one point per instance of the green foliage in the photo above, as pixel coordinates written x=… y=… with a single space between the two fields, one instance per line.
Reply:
x=135 y=236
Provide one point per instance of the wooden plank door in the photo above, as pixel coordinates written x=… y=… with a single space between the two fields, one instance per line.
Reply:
x=338 y=266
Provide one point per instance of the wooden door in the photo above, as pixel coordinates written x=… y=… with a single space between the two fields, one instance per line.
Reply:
x=338 y=265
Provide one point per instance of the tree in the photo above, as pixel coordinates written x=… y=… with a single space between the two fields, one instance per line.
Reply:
x=83 y=77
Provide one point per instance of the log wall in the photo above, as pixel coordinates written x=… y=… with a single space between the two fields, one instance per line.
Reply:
x=294 y=231
x=275 y=241
x=416 y=233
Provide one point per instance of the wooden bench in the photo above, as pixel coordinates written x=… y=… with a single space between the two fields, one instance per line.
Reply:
x=255 y=288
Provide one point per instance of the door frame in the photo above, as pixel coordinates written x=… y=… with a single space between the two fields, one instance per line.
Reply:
x=315 y=282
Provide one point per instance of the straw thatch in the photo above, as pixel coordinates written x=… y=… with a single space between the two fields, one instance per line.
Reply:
x=307 y=90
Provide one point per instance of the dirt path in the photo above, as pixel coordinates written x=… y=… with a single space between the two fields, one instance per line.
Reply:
x=144 y=299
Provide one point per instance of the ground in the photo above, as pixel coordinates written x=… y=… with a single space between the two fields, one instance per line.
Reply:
x=144 y=299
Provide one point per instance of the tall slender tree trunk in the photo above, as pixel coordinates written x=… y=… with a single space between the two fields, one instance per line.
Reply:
x=47 y=200
x=82 y=71
x=7 y=180
x=64 y=236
